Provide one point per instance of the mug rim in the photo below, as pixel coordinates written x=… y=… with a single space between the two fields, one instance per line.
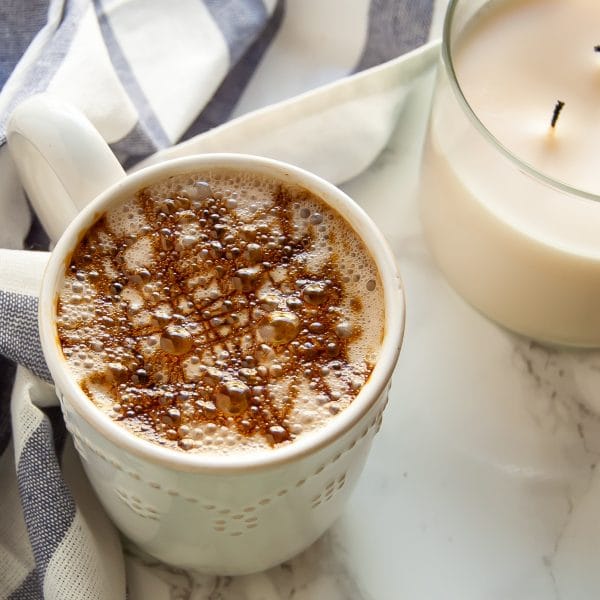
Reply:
x=308 y=443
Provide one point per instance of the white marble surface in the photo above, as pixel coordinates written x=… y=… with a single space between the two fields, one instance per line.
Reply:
x=481 y=483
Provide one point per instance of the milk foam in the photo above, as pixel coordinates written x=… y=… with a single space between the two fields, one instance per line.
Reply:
x=178 y=365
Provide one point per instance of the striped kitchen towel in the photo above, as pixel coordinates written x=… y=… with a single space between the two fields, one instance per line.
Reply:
x=315 y=83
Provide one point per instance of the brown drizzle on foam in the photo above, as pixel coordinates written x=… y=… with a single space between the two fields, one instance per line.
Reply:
x=216 y=343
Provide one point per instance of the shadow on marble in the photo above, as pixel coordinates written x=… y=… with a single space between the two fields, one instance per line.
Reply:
x=318 y=572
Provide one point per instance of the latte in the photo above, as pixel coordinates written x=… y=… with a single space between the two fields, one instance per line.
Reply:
x=221 y=311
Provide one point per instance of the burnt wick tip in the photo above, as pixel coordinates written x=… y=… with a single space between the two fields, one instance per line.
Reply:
x=597 y=48
x=557 y=109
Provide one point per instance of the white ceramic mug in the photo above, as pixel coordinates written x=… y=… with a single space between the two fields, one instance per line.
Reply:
x=215 y=514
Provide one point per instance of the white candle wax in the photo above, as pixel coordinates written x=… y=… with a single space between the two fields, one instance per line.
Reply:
x=525 y=254
x=516 y=60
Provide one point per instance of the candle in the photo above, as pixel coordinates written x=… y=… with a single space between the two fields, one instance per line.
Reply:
x=511 y=164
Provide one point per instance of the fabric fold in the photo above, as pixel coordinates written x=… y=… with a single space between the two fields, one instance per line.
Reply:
x=335 y=131
x=64 y=532
x=20 y=279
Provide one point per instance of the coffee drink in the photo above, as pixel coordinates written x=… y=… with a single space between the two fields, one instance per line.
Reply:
x=221 y=311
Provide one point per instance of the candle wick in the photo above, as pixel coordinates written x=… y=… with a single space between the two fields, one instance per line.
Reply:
x=559 y=106
x=597 y=48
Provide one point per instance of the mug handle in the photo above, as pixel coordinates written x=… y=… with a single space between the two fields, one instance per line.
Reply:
x=62 y=160
x=63 y=163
